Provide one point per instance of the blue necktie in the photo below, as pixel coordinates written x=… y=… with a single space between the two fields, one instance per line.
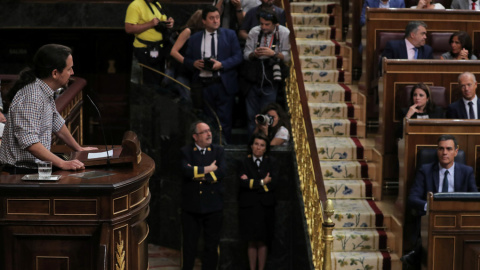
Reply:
x=416 y=53
x=445 y=182
x=471 y=113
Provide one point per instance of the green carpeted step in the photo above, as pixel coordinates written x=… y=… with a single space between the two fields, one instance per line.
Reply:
x=313 y=32
x=331 y=127
x=325 y=92
x=344 y=169
x=356 y=214
x=324 y=76
x=316 y=47
x=337 y=148
x=346 y=188
x=366 y=260
x=312 y=7
x=319 y=62
x=331 y=110
x=359 y=240
x=311 y=19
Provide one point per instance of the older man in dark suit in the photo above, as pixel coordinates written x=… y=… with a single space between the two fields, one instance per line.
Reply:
x=214 y=55
x=468 y=106
x=204 y=167
x=442 y=176
x=413 y=46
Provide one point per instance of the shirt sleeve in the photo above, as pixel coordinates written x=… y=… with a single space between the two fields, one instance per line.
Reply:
x=282 y=133
x=250 y=44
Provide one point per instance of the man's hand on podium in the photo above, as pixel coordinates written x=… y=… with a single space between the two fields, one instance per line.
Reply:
x=88 y=148
x=72 y=165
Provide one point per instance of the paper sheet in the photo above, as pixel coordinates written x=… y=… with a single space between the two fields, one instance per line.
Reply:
x=100 y=154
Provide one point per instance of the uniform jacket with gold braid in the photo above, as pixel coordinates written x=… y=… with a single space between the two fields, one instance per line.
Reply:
x=202 y=193
x=251 y=191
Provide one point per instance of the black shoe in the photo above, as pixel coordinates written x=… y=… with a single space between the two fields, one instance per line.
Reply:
x=411 y=259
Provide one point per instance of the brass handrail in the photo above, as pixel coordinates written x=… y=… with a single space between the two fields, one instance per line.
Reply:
x=308 y=163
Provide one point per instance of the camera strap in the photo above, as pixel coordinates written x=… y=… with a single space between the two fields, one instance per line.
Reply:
x=273 y=41
x=155 y=4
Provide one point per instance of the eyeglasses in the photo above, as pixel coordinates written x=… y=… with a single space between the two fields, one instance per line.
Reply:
x=203 y=132
x=267 y=16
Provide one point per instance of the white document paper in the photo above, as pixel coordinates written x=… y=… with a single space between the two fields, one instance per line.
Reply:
x=100 y=154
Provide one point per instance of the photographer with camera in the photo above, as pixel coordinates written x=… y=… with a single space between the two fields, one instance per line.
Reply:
x=213 y=55
x=145 y=19
x=266 y=51
x=273 y=122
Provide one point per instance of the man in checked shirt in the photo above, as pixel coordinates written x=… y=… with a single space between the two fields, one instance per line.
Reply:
x=33 y=115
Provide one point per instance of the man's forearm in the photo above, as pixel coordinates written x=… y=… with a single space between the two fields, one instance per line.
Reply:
x=65 y=135
x=39 y=151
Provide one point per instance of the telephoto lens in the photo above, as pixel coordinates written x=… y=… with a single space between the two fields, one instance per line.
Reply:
x=277 y=73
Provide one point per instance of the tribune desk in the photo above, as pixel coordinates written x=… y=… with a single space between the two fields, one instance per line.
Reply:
x=77 y=223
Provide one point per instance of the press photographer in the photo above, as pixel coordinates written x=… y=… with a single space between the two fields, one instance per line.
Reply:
x=273 y=122
x=147 y=21
x=266 y=51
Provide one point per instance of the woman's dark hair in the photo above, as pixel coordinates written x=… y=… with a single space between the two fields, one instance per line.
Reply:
x=465 y=41
x=430 y=106
x=194 y=22
x=48 y=58
x=282 y=119
x=259 y=136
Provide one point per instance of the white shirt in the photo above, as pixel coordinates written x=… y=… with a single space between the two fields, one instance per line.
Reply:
x=476 y=5
x=410 y=50
x=207 y=51
x=467 y=108
x=382 y=5
x=450 y=177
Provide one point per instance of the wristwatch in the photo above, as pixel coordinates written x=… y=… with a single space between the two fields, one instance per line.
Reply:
x=240 y=10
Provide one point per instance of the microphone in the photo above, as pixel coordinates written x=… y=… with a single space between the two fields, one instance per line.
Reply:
x=103 y=130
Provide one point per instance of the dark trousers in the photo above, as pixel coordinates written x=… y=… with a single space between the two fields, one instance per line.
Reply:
x=150 y=77
x=222 y=103
x=192 y=225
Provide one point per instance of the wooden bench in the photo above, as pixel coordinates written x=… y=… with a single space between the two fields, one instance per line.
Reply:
x=451 y=231
x=397 y=74
x=395 y=20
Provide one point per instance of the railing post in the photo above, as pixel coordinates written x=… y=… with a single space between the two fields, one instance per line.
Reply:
x=327 y=237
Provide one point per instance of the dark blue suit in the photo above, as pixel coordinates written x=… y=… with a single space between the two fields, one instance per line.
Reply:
x=397 y=49
x=427 y=180
x=202 y=204
x=376 y=4
x=219 y=95
x=456 y=110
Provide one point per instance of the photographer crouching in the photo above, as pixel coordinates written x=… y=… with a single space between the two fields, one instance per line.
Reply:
x=267 y=50
x=274 y=123
x=145 y=19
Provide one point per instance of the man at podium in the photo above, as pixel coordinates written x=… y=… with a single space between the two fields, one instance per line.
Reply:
x=33 y=115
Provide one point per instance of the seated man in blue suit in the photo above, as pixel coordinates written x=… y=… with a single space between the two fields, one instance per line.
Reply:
x=468 y=106
x=379 y=4
x=214 y=54
x=442 y=176
x=413 y=46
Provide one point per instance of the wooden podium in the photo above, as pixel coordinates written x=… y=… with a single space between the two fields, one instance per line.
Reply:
x=77 y=223
x=451 y=231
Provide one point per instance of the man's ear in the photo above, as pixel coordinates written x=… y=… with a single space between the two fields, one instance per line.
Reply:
x=54 y=73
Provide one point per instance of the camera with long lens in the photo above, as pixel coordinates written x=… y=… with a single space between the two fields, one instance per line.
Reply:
x=161 y=27
x=264 y=119
x=277 y=73
x=208 y=63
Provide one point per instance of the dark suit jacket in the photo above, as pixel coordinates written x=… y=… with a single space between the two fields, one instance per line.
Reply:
x=251 y=192
x=397 y=49
x=427 y=180
x=376 y=4
x=456 y=110
x=202 y=196
x=228 y=53
x=460 y=4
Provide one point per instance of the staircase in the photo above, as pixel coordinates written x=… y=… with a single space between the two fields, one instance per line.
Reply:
x=365 y=236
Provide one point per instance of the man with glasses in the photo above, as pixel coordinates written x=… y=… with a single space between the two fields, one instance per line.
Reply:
x=445 y=175
x=204 y=168
x=468 y=106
